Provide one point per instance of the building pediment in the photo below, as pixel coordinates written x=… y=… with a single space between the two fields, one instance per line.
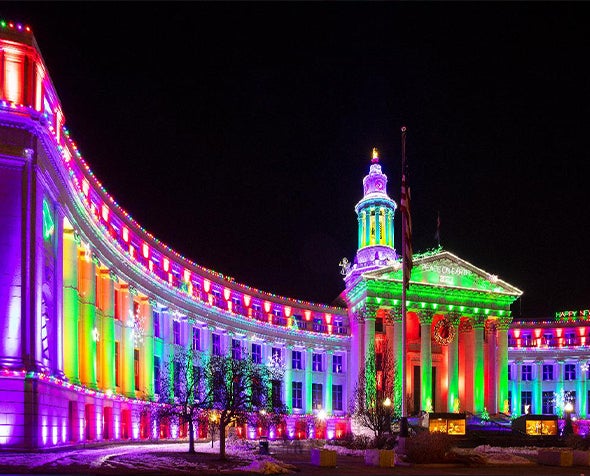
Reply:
x=444 y=269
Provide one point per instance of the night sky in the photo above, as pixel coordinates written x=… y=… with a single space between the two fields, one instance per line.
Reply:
x=239 y=133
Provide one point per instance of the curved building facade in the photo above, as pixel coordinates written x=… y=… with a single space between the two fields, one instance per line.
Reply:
x=92 y=305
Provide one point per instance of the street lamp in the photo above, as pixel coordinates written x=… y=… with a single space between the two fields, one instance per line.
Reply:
x=387 y=405
x=568 y=428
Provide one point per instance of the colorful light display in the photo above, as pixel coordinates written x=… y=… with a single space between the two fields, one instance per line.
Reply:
x=92 y=305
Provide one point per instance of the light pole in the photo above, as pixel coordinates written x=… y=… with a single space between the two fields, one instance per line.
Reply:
x=568 y=428
x=387 y=405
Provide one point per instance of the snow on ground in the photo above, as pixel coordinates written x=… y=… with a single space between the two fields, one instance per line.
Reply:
x=164 y=456
x=244 y=454
x=499 y=455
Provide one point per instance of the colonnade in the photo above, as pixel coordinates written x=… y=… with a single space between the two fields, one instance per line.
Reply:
x=108 y=326
x=472 y=374
x=560 y=390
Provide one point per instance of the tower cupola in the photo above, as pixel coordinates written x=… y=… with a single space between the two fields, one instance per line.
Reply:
x=375 y=212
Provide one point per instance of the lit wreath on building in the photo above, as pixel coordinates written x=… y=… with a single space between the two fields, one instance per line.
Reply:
x=444 y=332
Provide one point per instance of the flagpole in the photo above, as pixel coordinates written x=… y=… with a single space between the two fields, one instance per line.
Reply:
x=404 y=277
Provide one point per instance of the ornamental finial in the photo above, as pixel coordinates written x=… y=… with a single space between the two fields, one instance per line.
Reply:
x=375 y=158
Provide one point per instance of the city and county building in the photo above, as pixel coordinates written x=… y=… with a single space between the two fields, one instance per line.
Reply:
x=92 y=306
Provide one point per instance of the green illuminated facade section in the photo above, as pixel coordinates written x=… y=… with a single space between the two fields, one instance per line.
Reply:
x=470 y=301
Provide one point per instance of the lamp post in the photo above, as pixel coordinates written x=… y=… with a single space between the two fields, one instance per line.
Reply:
x=568 y=428
x=387 y=406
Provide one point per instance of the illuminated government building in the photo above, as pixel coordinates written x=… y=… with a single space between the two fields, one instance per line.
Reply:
x=91 y=303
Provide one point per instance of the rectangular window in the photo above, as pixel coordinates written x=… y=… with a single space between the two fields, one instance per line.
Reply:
x=276 y=354
x=570 y=372
x=297 y=395
x=510 y=402
x=316 y=362
x=177 y=379
x=116 y=363
x=216 y=298
x=509 y=372
x=156 y=317
x=570 y=338
x=236 y=349
x=337 y=364
x=337 y=397
x=547 y=402
x=157 y=375
x=548 y=372
x=526 y=400
x=296 y=360
x=571 y=398
x=276 y=396
x=256 y=353
x=236 y=304
x=317 y=395
x=136 y=367
x=176 y=332
x=379 y=324
x=548 y=339
x=216 y=340
x=527 y=372
x=196 y=339
x=117 y=304
x=299 y=320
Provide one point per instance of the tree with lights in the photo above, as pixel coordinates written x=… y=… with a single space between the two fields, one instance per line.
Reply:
x=372 y=405
x=238 y=388
x=180 y=391
x=220 y=390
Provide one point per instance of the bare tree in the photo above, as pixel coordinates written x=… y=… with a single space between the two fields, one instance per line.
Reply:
x=237 y=388
x=374 y=401
x=180 y=391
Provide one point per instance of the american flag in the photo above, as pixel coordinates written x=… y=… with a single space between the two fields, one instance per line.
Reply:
x=407 y=236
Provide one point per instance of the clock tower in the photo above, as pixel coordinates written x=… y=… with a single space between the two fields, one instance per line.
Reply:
x=375 y=212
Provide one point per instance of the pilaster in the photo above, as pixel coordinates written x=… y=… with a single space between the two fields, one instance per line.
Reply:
x=425 y=317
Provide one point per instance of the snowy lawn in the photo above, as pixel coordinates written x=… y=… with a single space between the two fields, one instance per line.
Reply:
x=174 y=458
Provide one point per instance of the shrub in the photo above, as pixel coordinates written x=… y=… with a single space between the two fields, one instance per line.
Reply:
x=428 y=447
x=384 y=442
x=577 y=442
x=354 y=442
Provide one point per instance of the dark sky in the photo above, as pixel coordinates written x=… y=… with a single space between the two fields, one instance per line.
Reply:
x=239 y=133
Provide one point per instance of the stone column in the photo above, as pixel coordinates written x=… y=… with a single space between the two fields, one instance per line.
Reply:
x=369 y=348
x=453 y=402
x=502 y=368
x=127 y=345
x=87 y=323
x=478 y=364
x=537 y=405
x=146 y=350
x=560 y=387
x=71 y=304
x=377 y=225
x=288 y=379
x=491 y=396
x=390 y=351
x=399 y=362
x=308 y=406
x=517 y=398
x=57 y=357
x=582 y=400
x=106 y=341
x=425 y=316
x=328 y=382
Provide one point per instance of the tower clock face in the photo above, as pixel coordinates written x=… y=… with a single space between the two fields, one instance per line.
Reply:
x=379 y=185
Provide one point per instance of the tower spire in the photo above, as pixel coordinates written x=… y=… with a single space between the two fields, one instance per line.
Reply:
x=375 y=212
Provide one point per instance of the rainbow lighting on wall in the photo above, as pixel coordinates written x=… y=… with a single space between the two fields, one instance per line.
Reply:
x=92 y=304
